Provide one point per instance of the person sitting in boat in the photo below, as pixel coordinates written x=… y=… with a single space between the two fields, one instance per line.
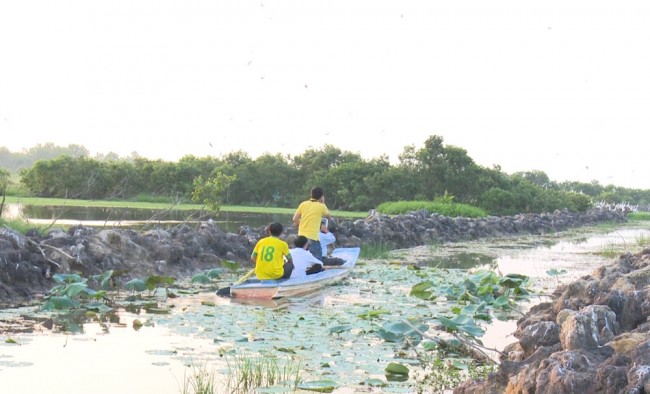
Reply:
x=304 y=263
x=327 y=238
x=271 y=255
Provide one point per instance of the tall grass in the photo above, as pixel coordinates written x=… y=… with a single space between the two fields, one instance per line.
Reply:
x=643 y=241
x=376 y=250
x=245 y=374
x=16 y=224
x=610 y=250
x=248 y=372
x=201 y=381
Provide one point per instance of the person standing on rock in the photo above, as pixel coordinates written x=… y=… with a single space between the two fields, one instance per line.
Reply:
x=308 y=219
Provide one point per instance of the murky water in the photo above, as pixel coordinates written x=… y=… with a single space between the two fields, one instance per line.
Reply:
x=330 y=333
x=134 y=218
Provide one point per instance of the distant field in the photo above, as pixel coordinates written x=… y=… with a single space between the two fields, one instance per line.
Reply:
x=152 y=205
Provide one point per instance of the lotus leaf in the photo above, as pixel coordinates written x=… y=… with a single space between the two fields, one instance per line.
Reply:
x=321 y=386
x=374 y=382
x=201 y=278
x=397 y=332
x=397 y=369
x=136 y=285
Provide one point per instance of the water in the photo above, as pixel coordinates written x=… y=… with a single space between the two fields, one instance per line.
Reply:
x=203 y=331
x=134 y=218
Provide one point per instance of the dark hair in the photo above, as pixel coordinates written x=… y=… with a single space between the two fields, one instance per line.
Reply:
x=275 y=229
x=300 y=241
x=316 y=193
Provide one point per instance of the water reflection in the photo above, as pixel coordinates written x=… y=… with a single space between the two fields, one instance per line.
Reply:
x=462 y=260
x=136 y=218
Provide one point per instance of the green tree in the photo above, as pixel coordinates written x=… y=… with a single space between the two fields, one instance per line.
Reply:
x=211 y=191
x=313 y=167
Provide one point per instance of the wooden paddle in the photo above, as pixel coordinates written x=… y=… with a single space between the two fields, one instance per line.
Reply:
x=225 y=292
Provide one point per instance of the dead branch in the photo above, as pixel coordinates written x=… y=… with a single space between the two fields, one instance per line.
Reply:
x=479 y=351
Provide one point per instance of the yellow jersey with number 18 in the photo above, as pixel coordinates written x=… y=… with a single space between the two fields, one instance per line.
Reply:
x=269 y=261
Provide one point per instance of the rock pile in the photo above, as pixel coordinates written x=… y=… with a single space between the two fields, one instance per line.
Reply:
x=593 y=338
x=27 y=262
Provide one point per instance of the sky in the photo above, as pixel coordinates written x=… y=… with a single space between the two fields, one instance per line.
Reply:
x=556 y=86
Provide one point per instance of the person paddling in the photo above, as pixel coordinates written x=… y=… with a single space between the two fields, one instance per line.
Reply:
x=271 y=255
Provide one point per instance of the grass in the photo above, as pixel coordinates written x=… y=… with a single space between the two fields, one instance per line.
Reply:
x=246 y=372
x=610 y=251
x=643 y=241
x=640 y=216
x=445 y=208
x=162 y=205
x=201 y=381
x=17 y=224
x=375 y=250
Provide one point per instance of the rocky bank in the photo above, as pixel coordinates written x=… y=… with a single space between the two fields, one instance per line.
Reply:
x=27 y=262
x=594 y=337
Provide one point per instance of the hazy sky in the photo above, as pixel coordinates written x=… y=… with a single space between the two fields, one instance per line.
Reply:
x=557 y=86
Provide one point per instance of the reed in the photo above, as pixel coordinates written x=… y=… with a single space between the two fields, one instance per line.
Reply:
x=201 y=381
x=247 y=372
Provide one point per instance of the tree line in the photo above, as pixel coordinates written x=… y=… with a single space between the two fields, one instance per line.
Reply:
x=431 y=172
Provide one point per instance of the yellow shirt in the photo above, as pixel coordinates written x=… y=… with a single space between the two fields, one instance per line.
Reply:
x=269 y=262
x=311 y=212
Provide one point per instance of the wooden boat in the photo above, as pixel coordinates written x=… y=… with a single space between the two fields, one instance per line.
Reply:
x=270 y=289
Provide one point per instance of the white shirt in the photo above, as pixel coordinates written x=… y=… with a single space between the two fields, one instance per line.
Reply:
x=325 y=239
x=302 y=260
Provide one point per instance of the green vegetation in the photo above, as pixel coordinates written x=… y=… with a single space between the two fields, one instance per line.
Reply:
x=640 y=216
x=351 y=183
x=610 y=251
x=444 y=374
x=201 y=381
x=643 y=241
x=72 y=292
x=16 y=224
x=441 y=207
x=211 y=192
x=375 y=250
x=248 y=372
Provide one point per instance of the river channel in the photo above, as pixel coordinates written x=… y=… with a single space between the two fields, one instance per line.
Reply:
x=328 y=336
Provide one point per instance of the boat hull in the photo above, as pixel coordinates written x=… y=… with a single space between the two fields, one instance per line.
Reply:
x=270 y=289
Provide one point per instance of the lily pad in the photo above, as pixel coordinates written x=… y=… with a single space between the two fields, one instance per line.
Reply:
x=374 y=382
x=201 y=278
x=398 y=331
x=339 y=329
x=397 y=369
x=321 y=386
x=136 y=285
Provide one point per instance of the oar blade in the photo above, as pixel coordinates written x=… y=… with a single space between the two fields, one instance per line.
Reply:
x=224 y=292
